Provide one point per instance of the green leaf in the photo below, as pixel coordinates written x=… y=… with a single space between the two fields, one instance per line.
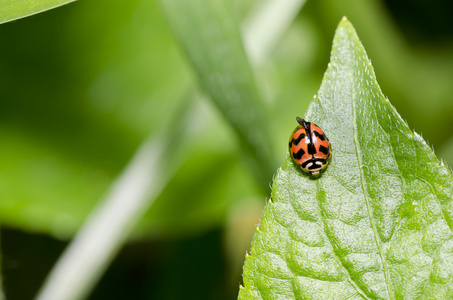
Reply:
x=16 y=9
x=209 y=33
x=377 y=224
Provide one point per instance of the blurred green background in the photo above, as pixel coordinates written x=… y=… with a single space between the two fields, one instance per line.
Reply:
x=81 y=86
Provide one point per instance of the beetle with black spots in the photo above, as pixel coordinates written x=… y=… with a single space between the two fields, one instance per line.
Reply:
x=310 y=148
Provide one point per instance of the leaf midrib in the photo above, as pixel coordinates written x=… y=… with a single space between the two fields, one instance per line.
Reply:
x=367 y=199
x=337 y=259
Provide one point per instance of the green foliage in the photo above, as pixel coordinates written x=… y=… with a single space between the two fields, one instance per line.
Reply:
x=88 y=104
x=15 y=9
x=85 y=109
x=209 y=33
x=83 y=85
x=377 y=224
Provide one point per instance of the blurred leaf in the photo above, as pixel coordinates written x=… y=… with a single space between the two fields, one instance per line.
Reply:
x=73 y=108
x=377 y=224
x=208 y=31
x=16 y=9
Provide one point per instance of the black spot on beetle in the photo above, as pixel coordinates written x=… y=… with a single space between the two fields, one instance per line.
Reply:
x=299 y=138
x=299 y=154
x=322 y=137
x=324 y=149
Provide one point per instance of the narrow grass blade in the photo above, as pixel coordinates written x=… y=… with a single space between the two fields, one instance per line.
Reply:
x=130 y=196
x=209 y=33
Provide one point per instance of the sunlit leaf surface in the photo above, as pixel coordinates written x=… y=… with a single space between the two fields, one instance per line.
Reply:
x=377 y=224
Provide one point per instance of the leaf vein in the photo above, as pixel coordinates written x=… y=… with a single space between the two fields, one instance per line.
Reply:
x=367 y=201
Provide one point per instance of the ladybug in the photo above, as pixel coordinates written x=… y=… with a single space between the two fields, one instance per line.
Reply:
x=309 y=147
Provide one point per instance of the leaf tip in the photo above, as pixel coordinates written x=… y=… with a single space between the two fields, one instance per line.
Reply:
x=345 y=31
x=346 y=24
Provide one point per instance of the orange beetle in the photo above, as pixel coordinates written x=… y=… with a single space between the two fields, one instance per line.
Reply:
x=309 y=147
